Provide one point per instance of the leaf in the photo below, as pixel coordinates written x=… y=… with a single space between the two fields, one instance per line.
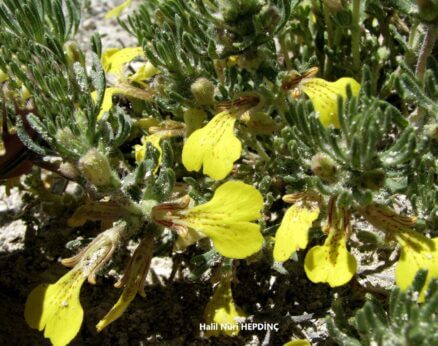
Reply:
x=292 y=234
x=215 y=147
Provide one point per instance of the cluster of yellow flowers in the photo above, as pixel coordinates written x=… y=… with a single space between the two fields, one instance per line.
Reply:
x=229 y=218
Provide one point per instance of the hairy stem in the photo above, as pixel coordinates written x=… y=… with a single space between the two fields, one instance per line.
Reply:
x=426 y=50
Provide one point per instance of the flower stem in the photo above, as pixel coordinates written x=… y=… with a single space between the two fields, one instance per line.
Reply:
x=426 y=50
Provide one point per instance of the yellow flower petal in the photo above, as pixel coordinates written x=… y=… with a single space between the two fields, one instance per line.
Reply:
x=417 y=252
x=107 y=56
x=56 y=308
x=222 y=310
x=126 y=90
x=145 y=71
x=107 y=102
x=232 y=201
x=330 y=263
x=226 y=219
x=293 y=231
x=324 y=96
x=298 y=342
x=113 y=60
x=214 y=146
x=140 y=150
x=117 y=11
x=185 y=240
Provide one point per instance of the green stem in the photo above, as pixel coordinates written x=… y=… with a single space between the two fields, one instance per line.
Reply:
x=284 y=51
x=426 y=50
x=330 y=37
x=355 y=35
x=253 y=142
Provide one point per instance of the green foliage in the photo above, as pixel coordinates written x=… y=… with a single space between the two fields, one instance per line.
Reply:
x=248 y=61
x=404 y=322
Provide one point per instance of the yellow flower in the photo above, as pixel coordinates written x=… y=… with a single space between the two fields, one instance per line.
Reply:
x=132 y=281
x=107 y=102
x=226 y=219
x=117 y=11
x=222 y=310
x=331 y=262
x=122 y=89
x=56 y=308
x=113 y=62
x=292 y=234
x=140 y=150
x=114 y=59
x=145 y=71
x=215 y=147
x=417 y=252
x=167 y=129
x=324 y=96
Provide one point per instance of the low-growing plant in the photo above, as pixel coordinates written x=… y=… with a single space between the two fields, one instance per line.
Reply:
x=243 y=129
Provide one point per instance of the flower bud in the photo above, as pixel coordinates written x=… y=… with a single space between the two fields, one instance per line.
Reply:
x=324 y=167
x=25 y=93
x=232 y=10
x=96 y=168
x=203 y=91
x=432 y=131
x=73 y=52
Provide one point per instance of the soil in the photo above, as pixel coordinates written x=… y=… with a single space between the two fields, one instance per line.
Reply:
x=32 y=242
